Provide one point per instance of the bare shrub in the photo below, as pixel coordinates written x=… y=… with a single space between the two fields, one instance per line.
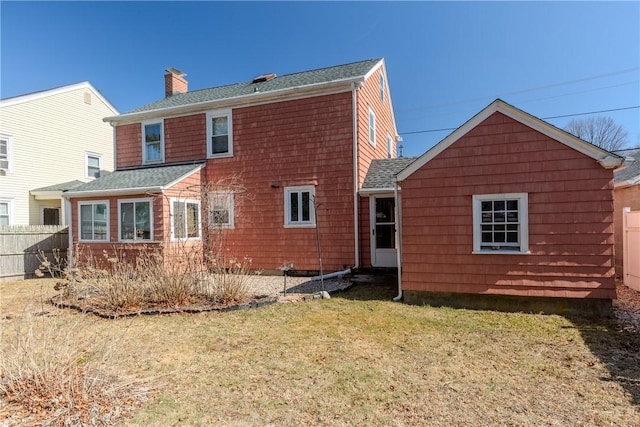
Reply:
x=176 y=282
x=54 y=374
x=229 y=279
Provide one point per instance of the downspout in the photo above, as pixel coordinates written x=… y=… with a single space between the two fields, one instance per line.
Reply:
x=68 y=218
x=399 y=238
x=356 y=220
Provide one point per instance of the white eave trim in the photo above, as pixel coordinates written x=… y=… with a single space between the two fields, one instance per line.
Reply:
x=604 y=158
x=372 y=191
x=317 y=89
x=46 y=195
x=112 y=192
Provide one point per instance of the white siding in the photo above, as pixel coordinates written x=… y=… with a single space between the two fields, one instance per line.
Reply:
x=50 y=134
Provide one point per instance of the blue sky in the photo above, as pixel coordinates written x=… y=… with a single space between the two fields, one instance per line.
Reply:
x=445 y=60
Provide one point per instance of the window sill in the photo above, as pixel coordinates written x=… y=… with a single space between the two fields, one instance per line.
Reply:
x=92 y=241
x=299 y=226
x=219 y=156
x=500 y=252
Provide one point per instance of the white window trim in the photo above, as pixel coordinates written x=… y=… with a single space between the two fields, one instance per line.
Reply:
x=523 y=212
x=88 y=154
x=219 y=113
x=372 y=124
x=382 y=87
x=230 y=207
x=93 y=202
x=144 y=144
x=151 y=219
x=9 y=168
x=10 y=210
x=287 y=207
x=173 y=200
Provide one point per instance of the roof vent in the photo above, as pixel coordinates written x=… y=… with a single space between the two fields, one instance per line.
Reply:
x=264 y=78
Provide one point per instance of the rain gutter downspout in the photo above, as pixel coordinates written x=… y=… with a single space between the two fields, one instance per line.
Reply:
x=356 y=223
x=399 y=238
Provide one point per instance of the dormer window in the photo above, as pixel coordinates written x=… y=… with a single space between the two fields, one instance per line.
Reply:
x=219 y=134
x=153 y=142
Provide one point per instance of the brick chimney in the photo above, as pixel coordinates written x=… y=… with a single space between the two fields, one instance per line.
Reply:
x=174 y=82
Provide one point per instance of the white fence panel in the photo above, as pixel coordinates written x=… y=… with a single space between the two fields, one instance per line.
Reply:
x=631 y=248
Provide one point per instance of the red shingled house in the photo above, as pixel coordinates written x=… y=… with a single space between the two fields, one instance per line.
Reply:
x=506 y=207
x=284 y=142
x=507 y=211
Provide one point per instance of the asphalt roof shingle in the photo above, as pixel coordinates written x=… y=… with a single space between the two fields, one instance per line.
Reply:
x=382 y=172
x=305 y=78
x=143 y=178
x=631 y=172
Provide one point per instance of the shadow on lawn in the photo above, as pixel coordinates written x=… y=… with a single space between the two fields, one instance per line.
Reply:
x=618 y=348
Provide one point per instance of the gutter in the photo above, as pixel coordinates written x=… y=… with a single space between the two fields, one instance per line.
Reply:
x=109 y=192
x=255 y=98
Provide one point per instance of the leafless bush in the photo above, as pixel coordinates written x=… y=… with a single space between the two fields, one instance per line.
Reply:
x=229 y=279
x=52 y=374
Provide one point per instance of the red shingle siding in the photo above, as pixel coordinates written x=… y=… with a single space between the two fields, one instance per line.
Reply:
x=570 y=217
x=301 y=142
x=185 y=138
x=369 y=96
x=129 y=145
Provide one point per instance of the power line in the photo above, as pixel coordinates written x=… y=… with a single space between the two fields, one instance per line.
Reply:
x=543 y=118
x=552 y=85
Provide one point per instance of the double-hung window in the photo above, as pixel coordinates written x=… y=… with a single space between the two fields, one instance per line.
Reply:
x=94 y=221
x=219 y=134
x=135 y=219
x=298 y=206
x=153 y=141
x=500 y=223
x=5 y=212
x=5 y=153
x=221 y=213
x=185 y=219
x=372 y=127
x=94 y=165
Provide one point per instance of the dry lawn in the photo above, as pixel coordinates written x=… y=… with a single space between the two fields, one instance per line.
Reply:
x=361 y=359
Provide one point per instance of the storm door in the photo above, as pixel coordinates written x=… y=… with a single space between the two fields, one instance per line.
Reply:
x=383 y=232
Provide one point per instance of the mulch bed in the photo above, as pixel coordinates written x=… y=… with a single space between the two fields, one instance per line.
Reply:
x=199 y=305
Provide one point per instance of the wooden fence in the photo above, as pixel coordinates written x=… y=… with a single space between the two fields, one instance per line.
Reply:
x=20 y=247
x=631 y=248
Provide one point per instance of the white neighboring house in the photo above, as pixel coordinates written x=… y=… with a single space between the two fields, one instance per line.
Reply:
x=51 y=141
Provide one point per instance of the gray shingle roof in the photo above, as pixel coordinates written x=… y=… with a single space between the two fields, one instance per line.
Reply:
x=631 y=172
x=64 y=186
x=141 y=178
x=382 y=172
x=305 y=78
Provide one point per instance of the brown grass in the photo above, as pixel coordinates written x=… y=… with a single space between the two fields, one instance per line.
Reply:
x=360 y=359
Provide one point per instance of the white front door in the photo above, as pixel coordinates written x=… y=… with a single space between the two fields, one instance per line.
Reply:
x=383 y=231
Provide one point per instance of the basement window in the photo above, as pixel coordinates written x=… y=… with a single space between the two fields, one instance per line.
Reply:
x=500 y=223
